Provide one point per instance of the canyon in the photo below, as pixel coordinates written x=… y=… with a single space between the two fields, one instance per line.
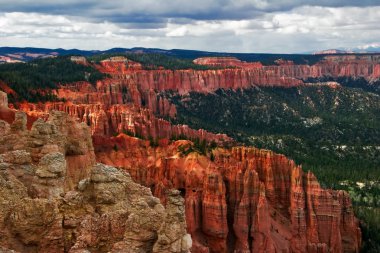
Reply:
x=242 y=74
x=237 y=199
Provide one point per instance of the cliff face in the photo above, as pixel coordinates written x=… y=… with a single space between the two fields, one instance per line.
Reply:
x=130 y=83
x=108 y=120
x=55 y=198
x=116 y=91
x=185 y=81
x=246 y=200
x=118 y=64
x=120 y=104
x=3 y=99
x=226 y=62
x=366 y=66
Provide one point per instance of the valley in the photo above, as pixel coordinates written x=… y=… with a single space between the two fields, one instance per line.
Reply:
x=206 y=127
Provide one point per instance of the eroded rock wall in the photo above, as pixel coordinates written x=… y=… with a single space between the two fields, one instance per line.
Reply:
x=54 y=197
x=246 y=200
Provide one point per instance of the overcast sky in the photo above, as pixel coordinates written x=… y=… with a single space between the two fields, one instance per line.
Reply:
x=285 y=26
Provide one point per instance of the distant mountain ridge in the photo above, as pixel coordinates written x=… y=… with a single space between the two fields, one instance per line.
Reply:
x=372 y=49
x=18 y=54
x=334 y=51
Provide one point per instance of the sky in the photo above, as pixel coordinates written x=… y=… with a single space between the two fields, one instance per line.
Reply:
x=249 y=26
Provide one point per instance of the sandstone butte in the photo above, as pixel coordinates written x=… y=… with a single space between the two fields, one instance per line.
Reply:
x=54 y=197
x=246 y=200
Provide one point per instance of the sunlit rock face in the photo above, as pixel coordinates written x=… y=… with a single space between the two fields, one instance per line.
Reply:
x=245 y=200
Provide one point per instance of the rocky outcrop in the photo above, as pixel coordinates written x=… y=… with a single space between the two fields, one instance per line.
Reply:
x=117 y=65
x=54 y=197
x=115 y=91
x=226 y=62
x=80 y=60
x=328 y=68
x=366 y=66
x=246 y=200
x=3 y=99
x=109 y=120
x=185 y=81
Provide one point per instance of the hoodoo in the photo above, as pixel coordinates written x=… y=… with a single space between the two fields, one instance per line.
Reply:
x=55 y=197
x=246 y=200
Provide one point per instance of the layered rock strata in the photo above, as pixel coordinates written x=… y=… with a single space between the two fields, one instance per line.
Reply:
x=226 y=62
x=54 y=197
x=245 y=200
x=109 y=120
x=366 y=66
x=132 y=88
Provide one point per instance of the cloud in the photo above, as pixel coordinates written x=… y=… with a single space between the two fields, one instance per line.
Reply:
x=371 y=45
x=238 y=26
x=123 y=11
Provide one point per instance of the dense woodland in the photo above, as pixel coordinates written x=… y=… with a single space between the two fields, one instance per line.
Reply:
x=333 y=132
x=34 y=81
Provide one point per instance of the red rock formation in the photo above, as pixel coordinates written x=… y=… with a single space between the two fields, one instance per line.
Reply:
x=55 y=198
x=247 y=200
x=139 y=86
x=132 y=85
x=107 y=121
x=114 y=91
x=117 y=65
x=366 y=66
x=226 y=62
x=185 y=81
x=3 y=99
x=5 y=88
x=376 y=71
x=8 y=115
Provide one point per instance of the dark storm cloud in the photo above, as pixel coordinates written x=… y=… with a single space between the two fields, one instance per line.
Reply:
x=142 y=11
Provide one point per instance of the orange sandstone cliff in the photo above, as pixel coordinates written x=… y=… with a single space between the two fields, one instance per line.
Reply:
x=366 y=66
x=110 y=120
x=245 y=200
